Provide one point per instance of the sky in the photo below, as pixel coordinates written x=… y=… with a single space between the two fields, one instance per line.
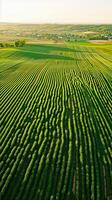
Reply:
x=56 y=11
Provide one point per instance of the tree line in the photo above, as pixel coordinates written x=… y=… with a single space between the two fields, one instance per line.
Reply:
x=18 y=43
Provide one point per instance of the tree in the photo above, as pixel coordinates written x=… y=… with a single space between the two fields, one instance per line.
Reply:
x=2 y=44
x=20 y=43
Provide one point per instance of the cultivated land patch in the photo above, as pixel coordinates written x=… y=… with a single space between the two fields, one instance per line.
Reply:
x=56 y=122
x=101 y=41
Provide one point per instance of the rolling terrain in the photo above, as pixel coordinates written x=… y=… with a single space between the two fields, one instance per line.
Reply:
x=56 y=32
x=56 y=122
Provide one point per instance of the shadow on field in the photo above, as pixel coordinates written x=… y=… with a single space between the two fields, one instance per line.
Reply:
x=37 y=55
x=44 y=51
x=49 y=48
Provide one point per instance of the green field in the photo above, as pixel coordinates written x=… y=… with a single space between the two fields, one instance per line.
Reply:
x=56 y=122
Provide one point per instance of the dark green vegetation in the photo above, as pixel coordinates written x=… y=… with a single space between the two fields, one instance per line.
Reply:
x=56 y=109
x=18 y=43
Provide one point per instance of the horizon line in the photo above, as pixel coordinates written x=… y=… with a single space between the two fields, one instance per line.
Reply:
x=57 y=23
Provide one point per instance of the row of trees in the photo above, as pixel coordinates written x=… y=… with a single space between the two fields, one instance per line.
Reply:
x=18 y=43
x=73 y=36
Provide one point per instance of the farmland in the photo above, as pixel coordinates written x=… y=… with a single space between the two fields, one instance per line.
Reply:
x=54 y=32
x=56 y=121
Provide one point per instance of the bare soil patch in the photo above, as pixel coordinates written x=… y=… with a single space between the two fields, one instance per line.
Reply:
x=101 y=41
